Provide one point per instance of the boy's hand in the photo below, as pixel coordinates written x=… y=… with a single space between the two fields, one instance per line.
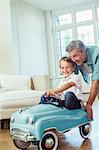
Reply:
x=50 y=92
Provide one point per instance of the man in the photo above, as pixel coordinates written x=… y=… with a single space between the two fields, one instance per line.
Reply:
x=87 y=61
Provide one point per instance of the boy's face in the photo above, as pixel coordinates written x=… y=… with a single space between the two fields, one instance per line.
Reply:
x=66 y=68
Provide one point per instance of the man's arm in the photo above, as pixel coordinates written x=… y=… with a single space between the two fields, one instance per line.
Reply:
x=92 y=96
x=93 y=92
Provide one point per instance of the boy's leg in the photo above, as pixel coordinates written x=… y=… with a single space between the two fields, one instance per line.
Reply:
x=71 y=101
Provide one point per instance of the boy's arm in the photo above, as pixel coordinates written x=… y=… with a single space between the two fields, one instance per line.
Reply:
x=64 y=87
x=61 y=88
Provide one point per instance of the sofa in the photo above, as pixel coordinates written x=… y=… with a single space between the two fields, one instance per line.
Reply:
x=18 y=91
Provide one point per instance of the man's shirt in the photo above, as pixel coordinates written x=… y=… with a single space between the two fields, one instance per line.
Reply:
x=93 y=61
x=91 y=65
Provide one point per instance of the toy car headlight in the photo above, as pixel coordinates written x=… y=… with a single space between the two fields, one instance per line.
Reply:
x=12 y=119
x=30 y=120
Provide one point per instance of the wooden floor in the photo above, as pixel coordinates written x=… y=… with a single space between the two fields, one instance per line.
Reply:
x=69 y=141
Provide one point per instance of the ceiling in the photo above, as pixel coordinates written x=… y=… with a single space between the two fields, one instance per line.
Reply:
x=56 y=4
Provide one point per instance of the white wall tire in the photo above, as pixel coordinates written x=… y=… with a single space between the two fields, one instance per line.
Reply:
x=85 y=130
x=49 y=141
x=21 y=145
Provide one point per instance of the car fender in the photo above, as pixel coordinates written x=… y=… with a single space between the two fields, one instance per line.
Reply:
x=46 y=123
x=59 y=122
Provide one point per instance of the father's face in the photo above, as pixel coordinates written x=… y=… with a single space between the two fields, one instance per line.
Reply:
x=77 y=56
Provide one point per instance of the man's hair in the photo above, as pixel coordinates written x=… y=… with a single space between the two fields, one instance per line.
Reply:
x=76 y=44
x=67 y=59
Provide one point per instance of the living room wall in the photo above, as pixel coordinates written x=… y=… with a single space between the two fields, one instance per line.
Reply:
x=29 y=38
x=22 y=39
x=6 y=52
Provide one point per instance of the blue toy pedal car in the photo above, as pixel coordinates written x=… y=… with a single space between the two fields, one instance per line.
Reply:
x=41 y=123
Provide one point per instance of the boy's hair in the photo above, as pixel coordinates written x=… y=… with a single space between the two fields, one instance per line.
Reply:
x=67 y=59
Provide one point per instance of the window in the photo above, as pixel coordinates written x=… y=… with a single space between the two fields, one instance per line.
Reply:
x=98 y=21
x=76 y=24
x=63 y=38
x=81 y=15
x=98 y=12
x=63 y=19
x=86 y=34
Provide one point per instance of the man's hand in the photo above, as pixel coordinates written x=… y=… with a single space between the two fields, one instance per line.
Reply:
x=89 y=111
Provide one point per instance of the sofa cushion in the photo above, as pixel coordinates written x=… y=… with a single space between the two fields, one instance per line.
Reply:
x=14 y=99
x=13 y=82
x=41 y=82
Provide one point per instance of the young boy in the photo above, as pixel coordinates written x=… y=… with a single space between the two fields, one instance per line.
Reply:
x=69 y=88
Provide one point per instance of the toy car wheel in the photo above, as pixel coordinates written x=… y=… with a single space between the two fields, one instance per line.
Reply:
x=85 y=130
x=21 y=144
x=49 y=141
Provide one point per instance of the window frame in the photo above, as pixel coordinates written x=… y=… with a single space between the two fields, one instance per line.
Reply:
x=73 y=26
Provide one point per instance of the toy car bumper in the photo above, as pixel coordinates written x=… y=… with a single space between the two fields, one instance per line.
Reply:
x=21 y=135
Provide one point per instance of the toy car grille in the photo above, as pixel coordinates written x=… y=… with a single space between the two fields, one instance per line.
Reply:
x=19 y=132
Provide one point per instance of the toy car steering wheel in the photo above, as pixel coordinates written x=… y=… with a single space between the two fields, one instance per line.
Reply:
x=51 y=99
